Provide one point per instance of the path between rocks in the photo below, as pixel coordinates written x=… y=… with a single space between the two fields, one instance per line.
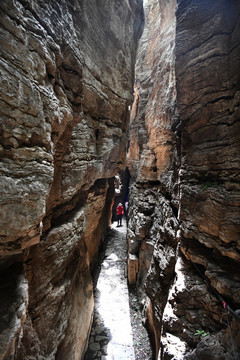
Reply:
x=111 y=334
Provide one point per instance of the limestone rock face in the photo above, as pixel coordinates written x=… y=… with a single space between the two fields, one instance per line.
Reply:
x=151 y=160
x=184 y=162
x=208 y=85
x=66 y=72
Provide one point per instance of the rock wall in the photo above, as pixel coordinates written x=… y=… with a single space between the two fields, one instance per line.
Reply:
x=66 y=73
x=152 y=161
x=184 y=161
x=208 y=84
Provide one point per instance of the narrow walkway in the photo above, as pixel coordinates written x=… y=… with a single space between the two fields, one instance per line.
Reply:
x=111 y=335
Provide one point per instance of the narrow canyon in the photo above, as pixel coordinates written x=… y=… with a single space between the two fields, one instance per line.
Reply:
x=147 y=93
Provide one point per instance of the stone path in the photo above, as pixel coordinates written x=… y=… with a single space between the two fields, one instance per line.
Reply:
x=111 y=335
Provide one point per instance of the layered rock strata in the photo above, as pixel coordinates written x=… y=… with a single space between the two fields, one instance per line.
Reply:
x=66 y=83
x=152 y=163
x=184 y=162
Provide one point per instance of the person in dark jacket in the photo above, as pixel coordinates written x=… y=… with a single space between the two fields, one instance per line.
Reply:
x=120 y=213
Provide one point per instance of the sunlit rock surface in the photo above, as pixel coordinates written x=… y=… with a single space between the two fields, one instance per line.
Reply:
x=184 y=161
x=66 y=72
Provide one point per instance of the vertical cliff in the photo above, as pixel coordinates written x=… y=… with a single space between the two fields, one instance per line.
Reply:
x=66 y=73
x=152 y=160
x=208 y=84
x=184 y=162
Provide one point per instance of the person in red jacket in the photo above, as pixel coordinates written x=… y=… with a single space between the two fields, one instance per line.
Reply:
x=120 y=213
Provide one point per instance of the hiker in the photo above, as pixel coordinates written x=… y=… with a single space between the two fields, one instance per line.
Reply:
x=120 y=213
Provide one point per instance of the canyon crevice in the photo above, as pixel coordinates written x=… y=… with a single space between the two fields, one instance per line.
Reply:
x=72 y=118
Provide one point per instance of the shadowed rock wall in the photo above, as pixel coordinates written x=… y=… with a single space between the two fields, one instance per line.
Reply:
x=66 y=73
x=208 y=84
x=152 y=161
x=184 y=162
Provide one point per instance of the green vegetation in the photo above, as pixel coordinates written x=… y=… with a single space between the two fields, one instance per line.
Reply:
x=202 y=333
